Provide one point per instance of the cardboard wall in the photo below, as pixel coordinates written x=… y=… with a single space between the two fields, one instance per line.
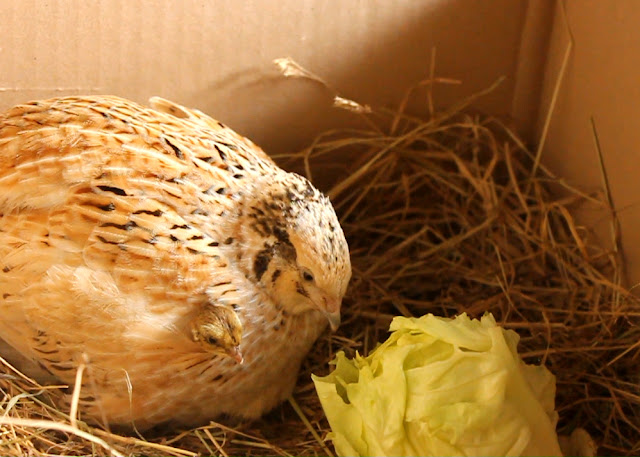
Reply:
x=600 y=82
x=216 y=55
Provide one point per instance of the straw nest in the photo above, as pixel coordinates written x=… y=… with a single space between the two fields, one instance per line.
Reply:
x=446 y=214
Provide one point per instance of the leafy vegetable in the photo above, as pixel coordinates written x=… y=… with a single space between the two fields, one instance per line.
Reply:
x=441 y=386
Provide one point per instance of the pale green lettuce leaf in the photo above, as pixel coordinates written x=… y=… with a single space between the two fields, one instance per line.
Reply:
x=441 y=386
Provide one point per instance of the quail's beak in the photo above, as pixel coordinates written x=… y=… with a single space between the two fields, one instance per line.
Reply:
x=332 y=312
x=236 y=355
x=334 y=320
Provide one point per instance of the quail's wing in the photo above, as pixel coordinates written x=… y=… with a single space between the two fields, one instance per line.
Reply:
x=101 y=194
x=119 y=183
x=167 y=106
x=48 y=146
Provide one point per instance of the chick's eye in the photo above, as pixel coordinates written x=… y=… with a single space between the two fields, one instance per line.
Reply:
x=307 y=276
x=212 y=340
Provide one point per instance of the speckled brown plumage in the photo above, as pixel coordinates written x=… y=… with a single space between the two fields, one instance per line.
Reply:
x=121 y=224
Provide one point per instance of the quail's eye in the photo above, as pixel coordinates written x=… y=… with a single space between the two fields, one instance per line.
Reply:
x=307 y=276
x=212 y=340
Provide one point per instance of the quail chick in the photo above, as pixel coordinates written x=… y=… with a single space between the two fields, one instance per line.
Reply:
x=219 y=330
x=127 y=234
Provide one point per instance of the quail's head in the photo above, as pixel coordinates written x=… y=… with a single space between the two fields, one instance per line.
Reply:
x=298 y=251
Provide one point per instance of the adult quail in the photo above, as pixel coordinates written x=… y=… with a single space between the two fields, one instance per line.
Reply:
x=123 y=227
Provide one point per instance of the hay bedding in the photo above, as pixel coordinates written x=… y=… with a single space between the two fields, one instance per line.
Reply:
x=443 y=215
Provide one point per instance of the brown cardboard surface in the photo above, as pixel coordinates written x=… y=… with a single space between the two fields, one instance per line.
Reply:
x=601 y=81
x=216 y=55
x=530 y=65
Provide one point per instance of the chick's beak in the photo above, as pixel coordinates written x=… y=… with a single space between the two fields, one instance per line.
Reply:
x=236 y=355
x=331 y=310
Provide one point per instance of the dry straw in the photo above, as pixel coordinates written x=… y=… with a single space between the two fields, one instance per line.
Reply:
x=445 y=214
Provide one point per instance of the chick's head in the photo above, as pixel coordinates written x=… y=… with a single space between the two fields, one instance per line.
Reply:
x=218 y=330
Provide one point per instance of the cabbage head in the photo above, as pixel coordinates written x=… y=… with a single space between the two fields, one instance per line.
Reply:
x=438 y=387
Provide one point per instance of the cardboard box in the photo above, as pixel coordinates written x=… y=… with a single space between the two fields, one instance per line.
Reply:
x=217 y=56
x=570 y=69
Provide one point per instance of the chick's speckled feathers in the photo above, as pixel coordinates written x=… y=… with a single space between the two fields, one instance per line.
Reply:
x=124 y=227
